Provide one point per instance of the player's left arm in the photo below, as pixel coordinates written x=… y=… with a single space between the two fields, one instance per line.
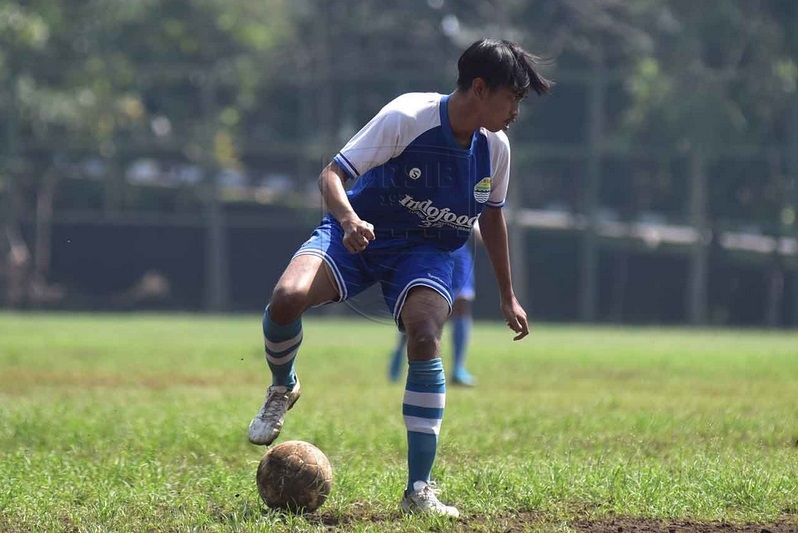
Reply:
x=494 y=237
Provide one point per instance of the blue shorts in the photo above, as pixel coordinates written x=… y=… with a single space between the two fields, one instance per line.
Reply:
x=397 y=264
x=463 y=273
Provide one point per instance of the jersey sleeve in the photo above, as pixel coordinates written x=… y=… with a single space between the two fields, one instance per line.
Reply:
x=499 y=147
x=377 y=142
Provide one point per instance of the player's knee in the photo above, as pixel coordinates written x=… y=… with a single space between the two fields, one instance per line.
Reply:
x=288 y=302
x=424 y=337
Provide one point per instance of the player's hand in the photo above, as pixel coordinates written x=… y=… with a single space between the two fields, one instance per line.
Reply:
x=357 y=234
x=515 y=316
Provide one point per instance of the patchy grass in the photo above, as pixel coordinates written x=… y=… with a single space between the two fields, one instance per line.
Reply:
x=134 y=422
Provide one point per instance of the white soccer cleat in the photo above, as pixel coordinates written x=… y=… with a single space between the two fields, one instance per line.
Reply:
x=422 y=499
x=266 y=425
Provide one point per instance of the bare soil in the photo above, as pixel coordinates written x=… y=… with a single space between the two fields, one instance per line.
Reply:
x=529 y=521
x=624 y=525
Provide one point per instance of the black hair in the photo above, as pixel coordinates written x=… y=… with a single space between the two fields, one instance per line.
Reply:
x=501 y=64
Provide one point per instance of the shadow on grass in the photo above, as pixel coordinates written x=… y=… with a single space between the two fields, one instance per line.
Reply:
x=361 y=513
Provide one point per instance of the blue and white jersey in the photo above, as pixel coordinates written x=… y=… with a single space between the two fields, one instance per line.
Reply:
x=414 y=181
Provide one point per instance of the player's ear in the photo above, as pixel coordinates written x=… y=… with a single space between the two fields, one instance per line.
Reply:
x=479 y=87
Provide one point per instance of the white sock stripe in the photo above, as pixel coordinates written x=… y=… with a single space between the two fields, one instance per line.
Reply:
x=425 y=399
x=281 y=346
x=423 y=425
x=283 y=359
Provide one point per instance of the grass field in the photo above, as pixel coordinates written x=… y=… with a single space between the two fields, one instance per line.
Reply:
x=136 y=422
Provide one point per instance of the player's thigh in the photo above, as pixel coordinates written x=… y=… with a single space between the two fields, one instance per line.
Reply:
x=423 y=314
x=307 y=281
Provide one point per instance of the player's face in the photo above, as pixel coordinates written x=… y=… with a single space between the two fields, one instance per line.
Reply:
x=500 y=108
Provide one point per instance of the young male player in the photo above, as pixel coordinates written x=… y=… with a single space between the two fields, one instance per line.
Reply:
x=426 y=167
x=460 y=320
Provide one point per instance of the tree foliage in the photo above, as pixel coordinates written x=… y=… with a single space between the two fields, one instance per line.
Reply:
x=231 y=83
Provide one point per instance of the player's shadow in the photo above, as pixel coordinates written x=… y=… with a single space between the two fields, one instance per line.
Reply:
x=358 y=513
x=355 y=516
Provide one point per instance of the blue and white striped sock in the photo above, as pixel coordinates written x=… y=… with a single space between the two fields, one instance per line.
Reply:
x=282 y=344
x=425 y=398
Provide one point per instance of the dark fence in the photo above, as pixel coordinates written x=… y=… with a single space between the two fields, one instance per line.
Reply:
x=127 y=264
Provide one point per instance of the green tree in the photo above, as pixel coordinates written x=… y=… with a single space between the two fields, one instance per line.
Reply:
x=714 y=84
x=89 y=77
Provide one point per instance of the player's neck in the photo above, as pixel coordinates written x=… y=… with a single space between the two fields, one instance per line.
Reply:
x=462 y=118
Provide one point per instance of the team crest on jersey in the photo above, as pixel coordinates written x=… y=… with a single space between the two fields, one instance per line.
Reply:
x=482 y=190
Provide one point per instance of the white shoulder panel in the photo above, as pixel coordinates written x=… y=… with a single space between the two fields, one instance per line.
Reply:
x=387 y=134
x=499 y=148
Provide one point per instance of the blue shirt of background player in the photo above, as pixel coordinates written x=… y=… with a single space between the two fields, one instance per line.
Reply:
x=415 y=182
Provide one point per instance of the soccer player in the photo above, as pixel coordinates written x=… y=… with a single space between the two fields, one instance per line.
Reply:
x=460 y=320
x=425 y=168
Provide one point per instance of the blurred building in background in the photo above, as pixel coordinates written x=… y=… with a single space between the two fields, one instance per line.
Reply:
x=165 y=154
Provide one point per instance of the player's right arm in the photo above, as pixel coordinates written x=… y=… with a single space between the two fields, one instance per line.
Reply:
x=377 y=142
x=357 y=232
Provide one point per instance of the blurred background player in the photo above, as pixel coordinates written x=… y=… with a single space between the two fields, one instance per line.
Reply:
x=460 y=321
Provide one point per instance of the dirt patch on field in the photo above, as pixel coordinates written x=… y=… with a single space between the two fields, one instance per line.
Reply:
x=629 y=525
x=359 y=513
x=524 y=521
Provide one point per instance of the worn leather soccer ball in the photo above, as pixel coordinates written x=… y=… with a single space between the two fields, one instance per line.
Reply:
x=294 y=475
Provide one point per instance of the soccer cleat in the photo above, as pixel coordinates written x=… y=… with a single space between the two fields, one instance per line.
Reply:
x=462 y=377
x=266 y=425
x=423 y=500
